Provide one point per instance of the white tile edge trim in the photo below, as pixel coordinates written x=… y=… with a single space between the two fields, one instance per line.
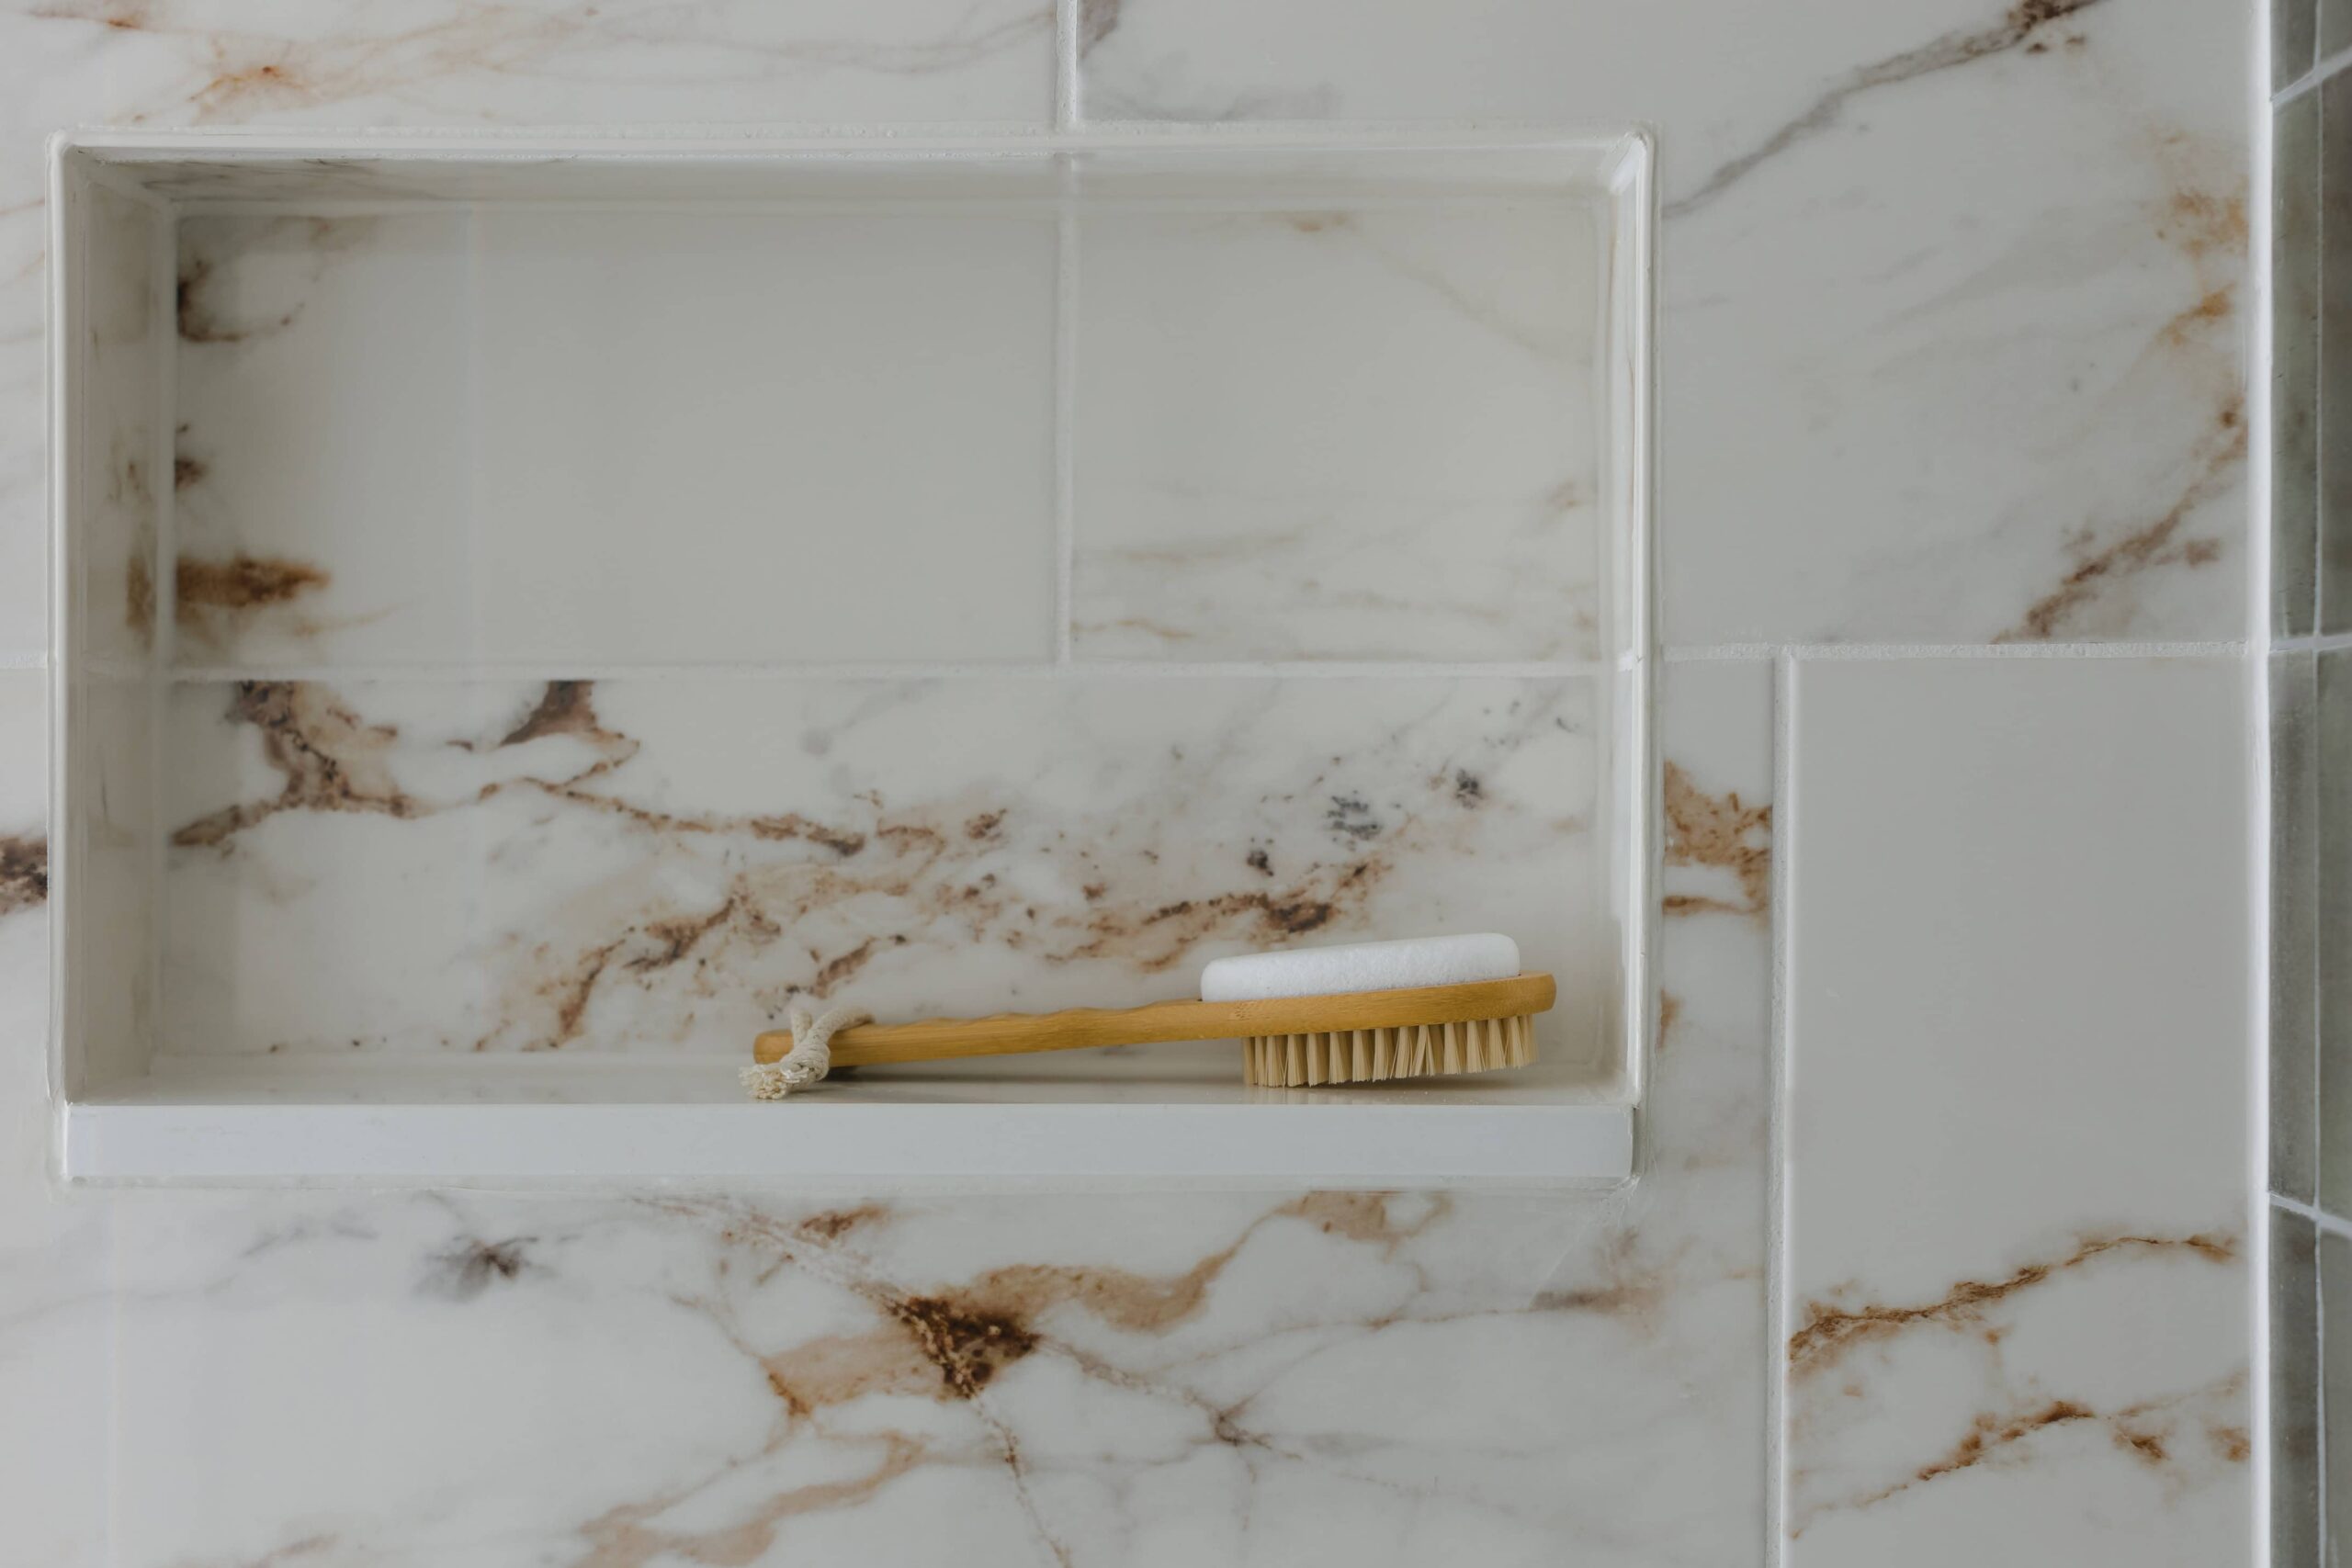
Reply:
x=1319 y=1145
x=1776 y=1214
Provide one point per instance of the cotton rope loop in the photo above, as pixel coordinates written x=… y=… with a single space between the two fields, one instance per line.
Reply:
x=811 y=1056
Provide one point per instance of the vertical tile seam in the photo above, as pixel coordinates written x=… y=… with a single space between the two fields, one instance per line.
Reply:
x=1066 y=25
x=1065 y=112
x=2313 y=79
x=2261 y=519
x=1775 y=1223
x=2324 y=1220
x=164 y=262
x=1064 y=456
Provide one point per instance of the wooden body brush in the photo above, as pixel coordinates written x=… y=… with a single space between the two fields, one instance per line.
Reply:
x=1326 y=1015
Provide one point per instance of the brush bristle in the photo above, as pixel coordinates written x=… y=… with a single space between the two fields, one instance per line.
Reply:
x=1369 y=1055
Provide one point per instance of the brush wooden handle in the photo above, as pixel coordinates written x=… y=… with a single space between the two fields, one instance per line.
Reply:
x=1007 y=1033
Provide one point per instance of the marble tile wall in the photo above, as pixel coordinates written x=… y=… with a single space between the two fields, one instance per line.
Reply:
x=2000 y=1136
x=1953 y=335
x=2311 y=769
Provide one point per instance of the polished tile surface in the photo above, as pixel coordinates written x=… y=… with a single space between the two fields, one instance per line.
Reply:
x=1441 y=501
x=1134 y=1378
x=2017 y=1253
x=1955 y=325
x=658 y=864
x=396 y=444
x=1954 y=304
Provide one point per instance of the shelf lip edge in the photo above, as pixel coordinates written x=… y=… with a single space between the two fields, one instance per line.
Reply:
x=886 y=1145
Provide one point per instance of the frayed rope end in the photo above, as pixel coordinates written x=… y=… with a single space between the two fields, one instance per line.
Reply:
x=810 y=1058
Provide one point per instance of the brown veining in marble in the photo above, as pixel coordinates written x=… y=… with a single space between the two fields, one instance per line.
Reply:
x=2150 y=1432
x=1630 y=1287
x=138 y=598
x=1987 y=1437
x=628 y=1537
x=1367 y=1217
x=1156 y=940
x=832 y=1224
x=641 y=950
x=564 y=708
x=326 y=756
x=241 y=584
x=1829 y=1330
x=2197 y=348
x=1719 y=831
x=2023 y=25
x=774 y=930
x=23 y=872
x=949 y=1344
x=2155 y=544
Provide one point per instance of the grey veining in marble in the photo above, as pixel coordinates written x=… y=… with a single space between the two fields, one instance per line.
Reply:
x=1954 y=303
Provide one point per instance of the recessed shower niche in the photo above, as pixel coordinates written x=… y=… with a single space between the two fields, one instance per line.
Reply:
x=528 y=610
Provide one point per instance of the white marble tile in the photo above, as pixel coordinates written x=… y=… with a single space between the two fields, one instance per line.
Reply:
x=2017 y=1141
x=1339 y=432
x=656 y=864
x=119 y=363
x=545 y=62
x=451 y=64
x=53 y=1383
x=111 y=843
x=606 y=435
x=1135 y=1378
x=1952 y=316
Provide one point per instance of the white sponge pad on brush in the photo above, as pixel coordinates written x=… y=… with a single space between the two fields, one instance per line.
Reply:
x=1360 y=967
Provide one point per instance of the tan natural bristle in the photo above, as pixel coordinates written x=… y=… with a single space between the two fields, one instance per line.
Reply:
x=1369 y=1055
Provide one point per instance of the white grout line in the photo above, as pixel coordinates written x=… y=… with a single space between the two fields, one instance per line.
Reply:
x=2334 y=1224
x=1697 y=653
x=1776 y=1211
x=2312 y=78
x=1066 y=19
x=2325 y=642
x=1146 y=669
x=1065 y=430
x=1134 y=670
x=2259 y=523
x=164 y=642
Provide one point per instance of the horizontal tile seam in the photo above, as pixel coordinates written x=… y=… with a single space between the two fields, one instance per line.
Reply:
x=2334 y=1225
x=1174 y=670
x=1828 y=651
x=2309 y=642
x=879 y=670
x=2316 y=76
